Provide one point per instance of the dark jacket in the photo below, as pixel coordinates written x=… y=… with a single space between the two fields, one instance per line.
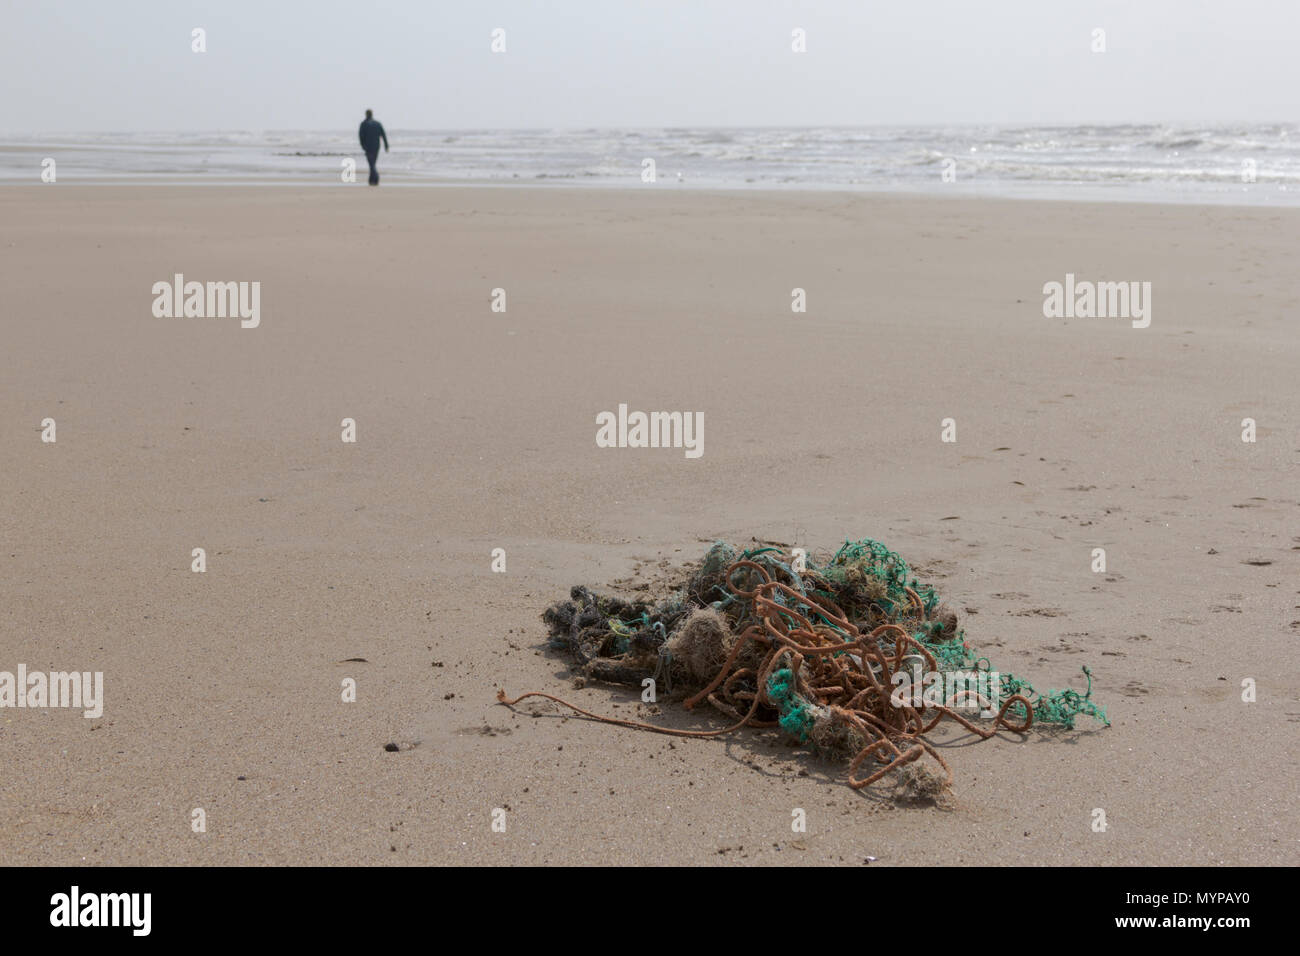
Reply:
x=371 y=132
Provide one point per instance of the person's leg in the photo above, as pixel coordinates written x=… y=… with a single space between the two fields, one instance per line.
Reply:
x=371 y=156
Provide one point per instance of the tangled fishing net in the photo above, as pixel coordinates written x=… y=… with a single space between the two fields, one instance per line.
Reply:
x=852 y=656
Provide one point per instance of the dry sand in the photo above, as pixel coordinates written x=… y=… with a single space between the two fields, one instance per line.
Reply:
x=476 y=431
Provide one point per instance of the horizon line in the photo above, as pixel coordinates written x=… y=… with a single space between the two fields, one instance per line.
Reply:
x=580 y=129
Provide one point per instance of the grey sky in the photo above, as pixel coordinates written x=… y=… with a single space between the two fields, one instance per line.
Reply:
x=270 y=64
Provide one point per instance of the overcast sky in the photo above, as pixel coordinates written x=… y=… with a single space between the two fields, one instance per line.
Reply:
x=427 y=64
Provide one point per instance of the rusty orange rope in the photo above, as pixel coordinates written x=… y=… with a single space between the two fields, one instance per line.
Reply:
x=837 y=667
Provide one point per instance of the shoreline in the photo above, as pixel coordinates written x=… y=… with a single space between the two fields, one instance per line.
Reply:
x=1084 y=194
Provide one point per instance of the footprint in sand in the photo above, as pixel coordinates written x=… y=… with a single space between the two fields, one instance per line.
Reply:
x=1134 y=689
x=486 y=731
x=1062 y=647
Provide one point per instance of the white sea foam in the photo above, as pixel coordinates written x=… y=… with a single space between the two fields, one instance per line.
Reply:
x=1154 y=163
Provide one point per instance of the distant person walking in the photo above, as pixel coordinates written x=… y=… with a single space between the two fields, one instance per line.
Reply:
x=371 y=132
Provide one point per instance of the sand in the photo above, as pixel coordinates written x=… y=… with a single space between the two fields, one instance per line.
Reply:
x=475 y=431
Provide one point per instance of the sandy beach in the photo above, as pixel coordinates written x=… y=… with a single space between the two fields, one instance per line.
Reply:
x=476 y=430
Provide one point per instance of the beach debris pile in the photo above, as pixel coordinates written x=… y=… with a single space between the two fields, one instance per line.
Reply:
x=849 y=655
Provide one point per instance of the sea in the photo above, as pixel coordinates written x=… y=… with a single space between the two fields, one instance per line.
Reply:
x=1234 y=164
